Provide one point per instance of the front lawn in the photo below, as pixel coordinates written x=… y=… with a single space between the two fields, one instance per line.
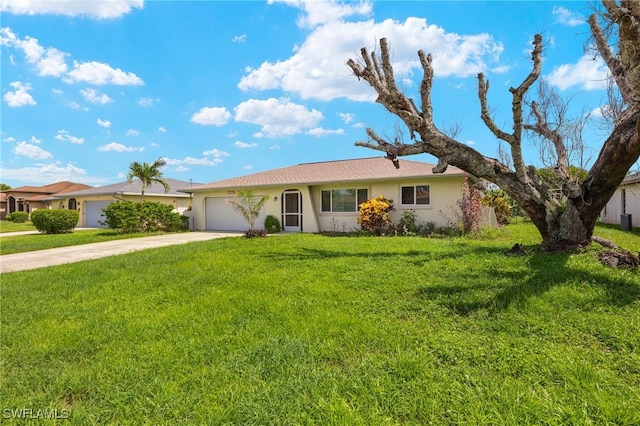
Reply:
x=308 y=329
x=8 y=226
x=33 y=242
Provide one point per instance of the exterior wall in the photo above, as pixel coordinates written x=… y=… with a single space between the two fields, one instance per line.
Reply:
x=611 y=213
x=272 y=207
x=444 y=194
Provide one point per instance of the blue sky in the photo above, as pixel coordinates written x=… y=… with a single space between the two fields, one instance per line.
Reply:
x=223 y=89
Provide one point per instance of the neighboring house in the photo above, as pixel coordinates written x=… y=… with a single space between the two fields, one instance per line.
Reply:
x=626 y=200
x=90 y=202
x=3 y=205
x=30 y=198
x=318 y=197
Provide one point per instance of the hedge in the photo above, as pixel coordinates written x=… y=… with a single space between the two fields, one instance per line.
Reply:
x=127 y=217
x=17 y=217
x=55 y=221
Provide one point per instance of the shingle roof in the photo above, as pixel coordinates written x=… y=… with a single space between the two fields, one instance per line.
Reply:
x=363 y=169
x=41 y=193
x=126 y=188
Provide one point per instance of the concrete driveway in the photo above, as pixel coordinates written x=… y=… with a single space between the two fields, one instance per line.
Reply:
x=58 y=256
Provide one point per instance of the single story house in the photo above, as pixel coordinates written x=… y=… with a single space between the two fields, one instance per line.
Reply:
x=324 y=196
x=625 y=201
x=30 y=198
x=90 y=202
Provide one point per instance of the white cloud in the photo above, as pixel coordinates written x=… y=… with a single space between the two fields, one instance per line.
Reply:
x=103 y=9
x=31 y=151
x=47 y=173
x=239 y=39
x=240 y=144
x=147 y=102
x=193 y=161
x=181 y=169
x=217 y=155
x=275 y=147
x=162 y=129
x=211 y=116
x=52 y=62
x=20 y=97
x=565 y=16
x=132 y=132
x=99 y=74
x=48 y=61
x=347 y=117
x=103 y=123
x=64 y=135
x=92 y=95
x=277 y=117
x=319 y=131
x=118 y=147
x=215 y=152
x=35 y=140
x=316 y=72
x=248 y=167
x=587 y=74
x=322 y=12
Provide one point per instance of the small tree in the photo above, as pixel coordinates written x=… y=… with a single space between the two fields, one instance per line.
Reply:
x=248 y=206
x=147 y=174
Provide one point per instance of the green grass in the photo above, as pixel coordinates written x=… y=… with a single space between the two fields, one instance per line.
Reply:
x=24 y=243
x=306 y=329
x=7 y=226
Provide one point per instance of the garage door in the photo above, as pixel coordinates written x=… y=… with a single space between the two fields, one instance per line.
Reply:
x=220 y=216
x=93 y=213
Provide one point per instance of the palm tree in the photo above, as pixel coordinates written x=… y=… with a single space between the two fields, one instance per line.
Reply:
x=248 y=207
x=147 y=174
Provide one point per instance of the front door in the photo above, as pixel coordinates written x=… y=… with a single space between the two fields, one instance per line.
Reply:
x=292 y=211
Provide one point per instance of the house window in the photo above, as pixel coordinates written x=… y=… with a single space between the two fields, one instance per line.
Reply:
x=73 y=205
x=418 y=195
x=343 y=200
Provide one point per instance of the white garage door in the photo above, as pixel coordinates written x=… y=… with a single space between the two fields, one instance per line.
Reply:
x=93 y=213
x=220 y=216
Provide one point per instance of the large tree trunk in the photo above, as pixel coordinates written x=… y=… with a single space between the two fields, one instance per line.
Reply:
x=566 y=216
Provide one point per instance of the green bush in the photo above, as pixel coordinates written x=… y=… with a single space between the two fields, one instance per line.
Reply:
x=272 y=224
x=128 y=217
x=55 y=221
x=17 y=217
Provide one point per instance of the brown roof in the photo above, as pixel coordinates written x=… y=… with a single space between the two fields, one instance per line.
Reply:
x=363 y=169
x=42 y=192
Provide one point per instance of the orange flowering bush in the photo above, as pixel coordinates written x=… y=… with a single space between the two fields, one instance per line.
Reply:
x=374 y=215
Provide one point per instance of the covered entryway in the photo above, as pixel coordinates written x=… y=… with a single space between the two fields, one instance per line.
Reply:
x=93 y=213
x=292 y=211
x=220 y=216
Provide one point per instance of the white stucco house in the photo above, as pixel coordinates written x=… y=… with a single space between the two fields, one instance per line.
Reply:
x=324 y=196
x=625 y=201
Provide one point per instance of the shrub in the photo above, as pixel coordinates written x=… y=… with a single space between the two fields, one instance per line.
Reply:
x=272 y=224
x=17 y=217
x=126 y=217
x=374 y=215
x=55 y=221
x=255 y=233
x=469 y=216
x=499 y=201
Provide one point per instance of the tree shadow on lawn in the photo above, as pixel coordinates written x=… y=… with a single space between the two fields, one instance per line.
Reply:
x=544 y=272
x=418 y=257
x=500 y=287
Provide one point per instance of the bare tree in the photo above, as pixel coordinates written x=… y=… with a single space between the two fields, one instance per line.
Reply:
x=566 y=221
